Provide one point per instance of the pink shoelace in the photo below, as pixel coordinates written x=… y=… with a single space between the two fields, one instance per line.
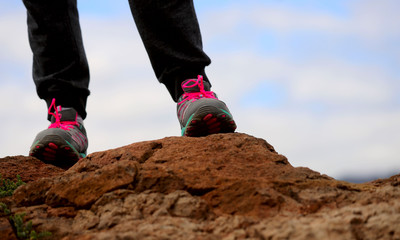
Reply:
x=196 y=95
x=64 y=125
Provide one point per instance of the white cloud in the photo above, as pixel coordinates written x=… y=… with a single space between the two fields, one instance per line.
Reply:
x=358 y=131
x=333 y=144
x=341 y=83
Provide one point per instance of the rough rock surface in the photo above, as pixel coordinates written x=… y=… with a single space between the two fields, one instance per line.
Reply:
x=28 y=168
x=223 y=186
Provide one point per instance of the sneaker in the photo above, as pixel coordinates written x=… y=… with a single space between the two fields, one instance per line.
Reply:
x=65 y=140
x=200 y=113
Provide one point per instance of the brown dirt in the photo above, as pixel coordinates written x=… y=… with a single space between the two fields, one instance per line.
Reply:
x=223 y=186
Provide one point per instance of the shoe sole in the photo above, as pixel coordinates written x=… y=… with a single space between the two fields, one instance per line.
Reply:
x=56 y=151
x=209 y=120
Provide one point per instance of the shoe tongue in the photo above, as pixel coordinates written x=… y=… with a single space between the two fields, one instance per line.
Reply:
x=66 y=114
x=192 y=85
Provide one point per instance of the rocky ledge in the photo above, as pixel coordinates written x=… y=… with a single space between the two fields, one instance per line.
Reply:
x=223 y=186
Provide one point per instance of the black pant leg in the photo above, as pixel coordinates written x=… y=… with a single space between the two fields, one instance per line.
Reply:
x=60 y=68
x=171 y=35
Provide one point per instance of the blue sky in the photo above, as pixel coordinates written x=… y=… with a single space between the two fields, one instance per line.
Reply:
x=318 y=79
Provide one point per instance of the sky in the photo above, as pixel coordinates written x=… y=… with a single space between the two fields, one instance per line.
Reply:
x=317 y=79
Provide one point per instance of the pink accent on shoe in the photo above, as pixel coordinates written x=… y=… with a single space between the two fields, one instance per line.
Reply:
x=182 y=109
x=196 y=95
x=50 y=151
x=211 y=121
x=207 y=117
x=65 y=125
x=78 y=139
x=53 y=146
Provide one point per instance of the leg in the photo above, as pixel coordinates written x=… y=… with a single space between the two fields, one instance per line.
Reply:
x=171 y=36
x=60 y=72
x=60 y=68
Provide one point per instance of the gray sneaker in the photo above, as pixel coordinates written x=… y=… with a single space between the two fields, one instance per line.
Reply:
x=65 y=140
x=200 y=113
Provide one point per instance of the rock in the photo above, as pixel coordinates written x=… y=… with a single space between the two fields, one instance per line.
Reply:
x=223 y=186
x=6 y=231
x=82 y=189
x=28 y=168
